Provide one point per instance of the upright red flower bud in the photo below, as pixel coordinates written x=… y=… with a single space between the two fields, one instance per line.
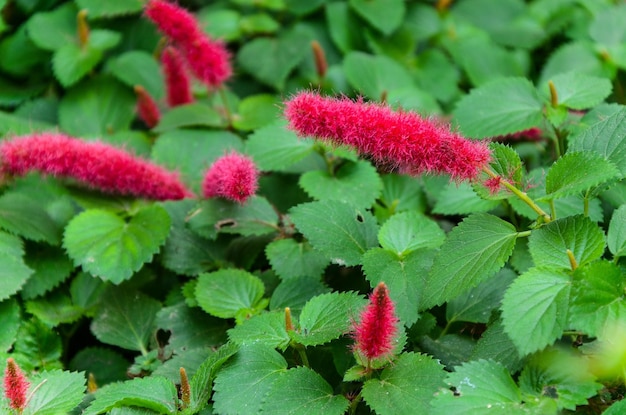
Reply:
x=404 y=139
x=177 y=83
x=98 y=165
x=208 y=59
x=147 y=108
x=378 y=326
x=15 y=385
x=233 y=177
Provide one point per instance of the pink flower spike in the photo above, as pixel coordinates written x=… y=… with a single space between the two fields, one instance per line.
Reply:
x=147 y=108
x=175 y=22
x=15 y=385
x=98 y=165
x=233 y=176
x=378 y=327
x=403 y=139
x=177 y=83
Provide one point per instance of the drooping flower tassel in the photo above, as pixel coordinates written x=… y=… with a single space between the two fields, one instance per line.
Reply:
x=233 y=176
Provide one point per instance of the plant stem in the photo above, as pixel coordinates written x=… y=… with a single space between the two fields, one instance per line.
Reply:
x=523 y=234
x=521 y=195
x=302 y=352
x=552 y=209
x=229 y=115
x=355 y=402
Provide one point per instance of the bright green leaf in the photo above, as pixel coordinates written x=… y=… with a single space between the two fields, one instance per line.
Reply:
x=139 y=68
x=39 y=344
x=21 y=215
x=195 y=114
x=14 y=273
x=291 y=259
x=616 y=237
x=461 y=199
x=506 y=163
x=579 y=91
x=226 y=292
x=256 y=111
x=578 y=172
x=374 y=75
x=110 y=8
x=384 y=15
x=54 y=29
x=267 y=329
x=344 y=26
x=202 y=381
x=10 y=320
x=55 y=392
x=408 y=231
x=496 y=345
x=295 y=292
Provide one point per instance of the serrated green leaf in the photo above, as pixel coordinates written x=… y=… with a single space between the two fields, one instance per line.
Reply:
x=14 y=273
x=39 y=344
x=506 y=163
x=577 y=172
x=291 y=259
x=51 y=267
x=54 y=309
x=384 y=15
x=450 y=349
x=155 y=393
x=190 y=359
x=10 y=320
x=105 y=365
x=125 y=319
x=534 y=309
x=72 y=62
x=476 y=249
x=408 y=231
x=597 y=298
x=476 y=305
x=578 y=91
x=21 y=215
x=111 y=248
x=213 y=216
x=404 y=277
x=374 y=75
x=401 y=192
x=480 y=386
x=616 y=236
x=98 y=106
x=86 y=291
x=11 y=124
x=295 y=292
x=406 y=386
x=496 y=345
x=110 y=8
x=138 y=68
x=548 y=245
x=301 y=390
x=578 y=56
x=617 y=408
x=606 y=137
x=227 y=292
x=274 y=148
x=256 y=111
x=54 y=29
x=195 y=114
x=55 y=392
x=355 y=183
x=461 y=199
x=327 y=317
x=250 y=374
x=267 y=329
x=339 y=230
x=500 y=107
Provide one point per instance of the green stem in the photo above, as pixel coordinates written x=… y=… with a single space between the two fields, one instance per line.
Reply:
x=552 y=209
x=521 y=195
x=302 y=352
x=523 y=234
x=446 y=329
x=224 y=98
x=355 y=402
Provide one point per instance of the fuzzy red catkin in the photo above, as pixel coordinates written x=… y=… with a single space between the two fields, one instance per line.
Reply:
x=147 y=108
x=403 y=139
x=378 y=325
x=98 y=165
x=177 y=83
x=15 y=385
x=233 y=176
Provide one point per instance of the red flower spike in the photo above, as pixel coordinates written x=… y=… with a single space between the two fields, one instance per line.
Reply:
x=15 y=385
x=177 y=83
x=147 y=108
x=208 y=59
x=98 y=165
x=233 y=176
x=378 y=327
x=404 y=139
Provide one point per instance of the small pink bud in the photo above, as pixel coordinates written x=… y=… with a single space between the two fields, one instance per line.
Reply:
x=233 y=176
x=177 y=83
x=378 y=326
x=147 y=108
x=15 y=385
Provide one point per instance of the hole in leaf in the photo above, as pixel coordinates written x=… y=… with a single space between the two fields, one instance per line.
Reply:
x=225 y=223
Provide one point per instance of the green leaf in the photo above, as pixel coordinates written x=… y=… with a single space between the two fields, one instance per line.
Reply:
x=192 y=152
x=616 y=237
x=404 y=277
x=213 y=216
x=506 y=163
x=220 y=23
x=598 y=298
x=155 y=393
x=478 y=387
x=267 y=329
x=534 y=309
x=617 y=408
x=606 y=137
x=54 y=29
x=138 y=68
x=125 y=319
x=606 y=27
x=10 y=320
x=51 y=267
x=256 y=111
x=406 y=386
x=356 y=183
x=344 y=27
x=19 y=56
x=327 y=317
x=295 y=292
x=54 y=309
x=579 y=91
x=339 y=230
x=14 y=273
x=474 y=250
x=303 y=391
x=548 y=245
x=496 y=345
x=384 y=15
x=40 y=346
x=111 y=248
x=105 y=365
x=98 y=106
x=110 y=8
x=275 y=148
x=401 y=192
x=578 y=172
x=450 y=349
x=228 y=292
x=11 y=124
x=250 y=374
x=195 y=114
x=86 y=291
x=500 y=107
x=291 y=259
x=270 y=60
x=476 y=305
x=55 y=392
x=21 y=215
x=374 y=75
x=202 y=381
x=461 y=199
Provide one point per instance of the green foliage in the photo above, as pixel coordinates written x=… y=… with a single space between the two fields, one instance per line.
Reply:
x=55 y=392
x=291 y=259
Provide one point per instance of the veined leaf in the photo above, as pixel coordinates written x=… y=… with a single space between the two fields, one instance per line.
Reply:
x=202 y=381
x=227 y=292
x=110 y=8
x=494 y=344
x=579 y=91
x=267 y=329
x=384 y=15
x=21 y=215
x=461 y=199
x=14 y=273
x=506 y=163
x=408 y=231
x=291 y=259
x=55 y=392
x=10 y=320
x=616 y=237
x=295 y=292
x=374 y=75
x=578 y=172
